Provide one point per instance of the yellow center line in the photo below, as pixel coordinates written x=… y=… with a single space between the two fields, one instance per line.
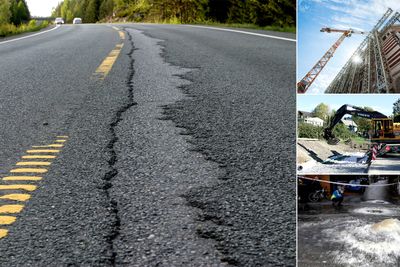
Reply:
x=46 y=146
x=22 y=178
x=27 y=187
x=34 y=170
x=3 y=233
x=121 y=35
x=43 y=151
x=11 y=208
x=7 y=220
x=16 y=197
x=37 y=163
x=38 y=157
x=107 y=64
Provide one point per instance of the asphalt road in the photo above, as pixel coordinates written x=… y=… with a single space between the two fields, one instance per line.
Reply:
x=177 y=147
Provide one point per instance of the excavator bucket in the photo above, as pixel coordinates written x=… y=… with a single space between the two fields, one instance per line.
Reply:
x=333 y=141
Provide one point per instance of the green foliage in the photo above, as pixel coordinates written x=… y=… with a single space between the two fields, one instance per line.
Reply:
x=396 y=118
x=321 y=111
x=11 y=29
x=5 y=12
x=342 y=132
x=275 y=13
x=306 y=130
x=19 y=12
x=396 y=107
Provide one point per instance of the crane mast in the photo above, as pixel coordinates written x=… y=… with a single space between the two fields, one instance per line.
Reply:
x=309 y=78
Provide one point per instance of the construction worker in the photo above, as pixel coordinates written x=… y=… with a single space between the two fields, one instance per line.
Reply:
x=337 y=196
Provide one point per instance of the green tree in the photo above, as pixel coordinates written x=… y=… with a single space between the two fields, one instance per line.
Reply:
x=92 y=11
x=260 y=12
x=106 y=9
x=321 y=111
x=306 y=130
x=396 y=107
x=23 y=12
x=5 y=11
x=363 y=124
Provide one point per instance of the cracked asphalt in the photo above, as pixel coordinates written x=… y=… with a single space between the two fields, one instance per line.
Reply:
x=182 y=156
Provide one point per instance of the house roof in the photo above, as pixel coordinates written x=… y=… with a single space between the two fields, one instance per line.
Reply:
x=305 y=113
x=315 y=119
x=349 y=122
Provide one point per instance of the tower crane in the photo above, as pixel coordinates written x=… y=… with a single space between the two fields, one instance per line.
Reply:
x=306 y=82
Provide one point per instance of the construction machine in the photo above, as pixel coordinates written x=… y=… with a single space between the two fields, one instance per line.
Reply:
x=384 y=131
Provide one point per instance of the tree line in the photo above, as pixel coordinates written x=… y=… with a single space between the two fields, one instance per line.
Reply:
x=259 y=12
x=323 y=112
x=14 y=11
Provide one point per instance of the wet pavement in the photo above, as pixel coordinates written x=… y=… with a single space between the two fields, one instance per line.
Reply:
x=360 y=233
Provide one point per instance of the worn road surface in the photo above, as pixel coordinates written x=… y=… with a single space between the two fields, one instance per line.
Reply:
x=147 y=145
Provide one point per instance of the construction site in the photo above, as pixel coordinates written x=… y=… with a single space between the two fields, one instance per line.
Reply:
x=374 y=67
x=376 y=153
x=360 y=228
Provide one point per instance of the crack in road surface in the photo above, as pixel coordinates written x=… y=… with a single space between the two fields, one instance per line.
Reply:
x=108 y=177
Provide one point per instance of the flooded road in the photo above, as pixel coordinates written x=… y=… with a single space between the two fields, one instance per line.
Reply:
x=361 y=233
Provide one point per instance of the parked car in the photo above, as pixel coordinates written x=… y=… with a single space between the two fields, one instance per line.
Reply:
x=59 y=21
x=77 y=21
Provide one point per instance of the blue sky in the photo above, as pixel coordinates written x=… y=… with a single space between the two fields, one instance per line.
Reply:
x=341 y=14
x=382 y=103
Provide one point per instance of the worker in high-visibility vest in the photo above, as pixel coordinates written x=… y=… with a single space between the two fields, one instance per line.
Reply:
x=337 y=196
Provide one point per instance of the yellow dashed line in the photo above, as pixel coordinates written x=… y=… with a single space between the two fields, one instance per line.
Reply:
x=38 y=157
x=11 y=208
x=107 y=64
x=7 y=220
x=22 y=178
x=43 y=151
x=30 y=163
x=16 y=197
x=121 y=35
x=34 y=170
x=32 y=167
x=46 y=146
x=3 y=233
x=27 y=187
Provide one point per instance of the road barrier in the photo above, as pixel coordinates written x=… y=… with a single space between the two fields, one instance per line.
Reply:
x=340 y=183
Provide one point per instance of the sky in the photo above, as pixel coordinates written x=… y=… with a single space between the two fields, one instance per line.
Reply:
x=41 y=8
x=382 y=103
x=340 y=14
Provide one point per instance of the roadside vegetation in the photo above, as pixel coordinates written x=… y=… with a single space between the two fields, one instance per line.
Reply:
x=277 y=15
x=15 y=18
x=322 y=111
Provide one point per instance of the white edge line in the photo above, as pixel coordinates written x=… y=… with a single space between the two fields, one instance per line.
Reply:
x=250 y=33
x=31 y=35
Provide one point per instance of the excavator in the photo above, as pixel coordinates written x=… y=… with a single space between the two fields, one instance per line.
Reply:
x=384 y=131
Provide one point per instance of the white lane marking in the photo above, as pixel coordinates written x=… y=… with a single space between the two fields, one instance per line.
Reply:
x=249 y=33
x=28 y=36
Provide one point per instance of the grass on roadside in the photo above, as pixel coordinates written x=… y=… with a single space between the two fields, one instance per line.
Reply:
x=175 y=20
x=11 y=29
x=291 y=29
x=359 y=140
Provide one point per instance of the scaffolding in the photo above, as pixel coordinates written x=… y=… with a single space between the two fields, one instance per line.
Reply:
x=371 y=73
